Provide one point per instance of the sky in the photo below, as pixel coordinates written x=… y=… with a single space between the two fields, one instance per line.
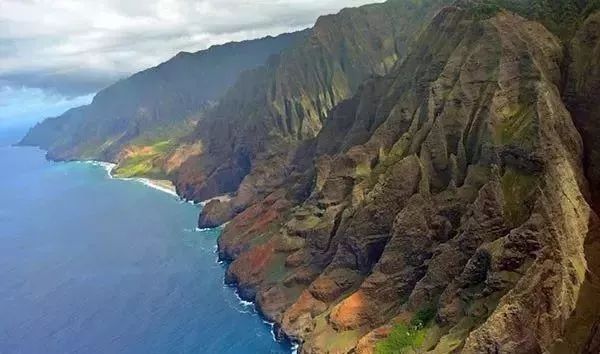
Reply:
x=55 y=54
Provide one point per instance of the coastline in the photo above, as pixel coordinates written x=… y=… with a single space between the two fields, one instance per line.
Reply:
x=168 y=187
x=165 y=186
x=221 y=198
x=293 y=345
x=182 y=260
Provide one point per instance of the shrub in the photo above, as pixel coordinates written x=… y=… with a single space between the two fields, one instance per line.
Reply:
x=401 y=339
x=423 y=317
x=483 y=11
x=407 y=337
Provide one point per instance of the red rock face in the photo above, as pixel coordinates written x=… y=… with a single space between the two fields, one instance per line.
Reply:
x=252 y=223
x=189 y=175
x=248 y=271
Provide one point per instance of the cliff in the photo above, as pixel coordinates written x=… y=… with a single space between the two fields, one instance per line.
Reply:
x=273 y=110
x=447 y=209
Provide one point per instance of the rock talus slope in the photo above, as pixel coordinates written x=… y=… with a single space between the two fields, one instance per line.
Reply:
x=454 y=184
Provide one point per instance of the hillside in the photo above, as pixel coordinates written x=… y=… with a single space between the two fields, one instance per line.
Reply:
x=272 y=110
x=154 y=105
x=448 y=207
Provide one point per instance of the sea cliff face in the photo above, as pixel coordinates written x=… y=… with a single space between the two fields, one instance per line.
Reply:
x=413 y=176
x=454 y=186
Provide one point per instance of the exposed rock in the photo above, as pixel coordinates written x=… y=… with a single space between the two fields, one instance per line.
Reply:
x=456 y=185
x=215 y=213
x=582 y=94
x=408 y=158
x=256 y=127
x=255 y=221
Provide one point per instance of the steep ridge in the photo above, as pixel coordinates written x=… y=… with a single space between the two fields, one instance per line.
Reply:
x=447 y=206
x=256 y=127
x=156 y=104
x=582 y=92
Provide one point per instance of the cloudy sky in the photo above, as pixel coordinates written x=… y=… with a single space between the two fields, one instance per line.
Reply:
x=57 y=53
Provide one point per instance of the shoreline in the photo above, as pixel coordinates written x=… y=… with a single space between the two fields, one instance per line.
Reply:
x=221 y=198
x=164 y=186
x=293 y=345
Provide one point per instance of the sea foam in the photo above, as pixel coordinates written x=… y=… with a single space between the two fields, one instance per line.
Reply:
x=109 y=167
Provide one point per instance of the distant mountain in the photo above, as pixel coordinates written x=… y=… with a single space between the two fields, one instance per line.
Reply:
x=285 y=102
x=154 y=104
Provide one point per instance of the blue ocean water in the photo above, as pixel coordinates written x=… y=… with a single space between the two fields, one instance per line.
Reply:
x=94 y=265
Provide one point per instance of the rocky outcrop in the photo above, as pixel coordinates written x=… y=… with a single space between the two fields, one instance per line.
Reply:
x=582 y=89
x=454 y=184
x=216 y=212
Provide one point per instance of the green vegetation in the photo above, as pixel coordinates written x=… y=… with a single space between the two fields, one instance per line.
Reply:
x=332 y=341
x=591 y=6
x=483 y=11
x=518 y=189
x=423 y=317
x=276 y=270
x=135 y=166
x=402 y=339
x=388 y=159
x=562 y=17
x=517 y=127
x=143 y=162
x=167 y=131
x=407 y=338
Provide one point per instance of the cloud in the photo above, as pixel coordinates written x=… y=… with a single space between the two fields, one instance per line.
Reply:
x=76 y=47
x=28 y=105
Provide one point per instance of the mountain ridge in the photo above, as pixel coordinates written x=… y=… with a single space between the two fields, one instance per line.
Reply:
x=256 y=125
x=434 y=192
x=372 y=238
x=164 y=97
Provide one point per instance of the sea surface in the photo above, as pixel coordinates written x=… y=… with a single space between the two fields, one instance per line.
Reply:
x=90 y=264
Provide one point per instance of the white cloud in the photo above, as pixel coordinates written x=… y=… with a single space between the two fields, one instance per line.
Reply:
x=29 y=105
x=75 y=47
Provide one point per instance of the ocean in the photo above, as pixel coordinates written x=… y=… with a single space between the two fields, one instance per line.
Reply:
x=91 y=264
